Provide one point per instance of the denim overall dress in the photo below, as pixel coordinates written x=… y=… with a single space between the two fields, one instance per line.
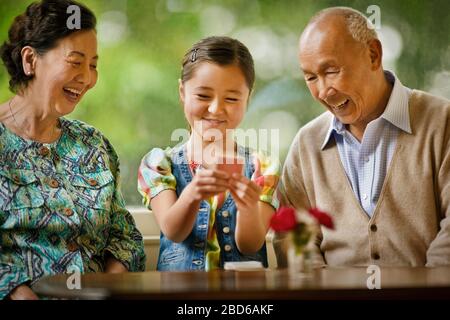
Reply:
x=191 y=253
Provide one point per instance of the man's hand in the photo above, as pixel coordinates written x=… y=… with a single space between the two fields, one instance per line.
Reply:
x=23 y=292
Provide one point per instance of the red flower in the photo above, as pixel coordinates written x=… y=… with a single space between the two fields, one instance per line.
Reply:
x=283 y=220
x=322 y=217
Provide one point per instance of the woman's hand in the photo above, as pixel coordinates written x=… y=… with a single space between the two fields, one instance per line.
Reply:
x=245 y=193
x=23 y=292
x=114 y=266
x=206 y=183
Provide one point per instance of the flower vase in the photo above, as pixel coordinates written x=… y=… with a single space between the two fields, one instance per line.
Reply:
x=299 y=261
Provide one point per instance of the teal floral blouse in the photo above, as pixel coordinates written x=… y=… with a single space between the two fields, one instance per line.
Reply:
x=61 y=208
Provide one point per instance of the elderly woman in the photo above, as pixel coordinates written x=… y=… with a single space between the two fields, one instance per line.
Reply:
x=60 y=205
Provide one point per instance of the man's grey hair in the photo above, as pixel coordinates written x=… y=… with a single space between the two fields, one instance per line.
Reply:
x=359 y=27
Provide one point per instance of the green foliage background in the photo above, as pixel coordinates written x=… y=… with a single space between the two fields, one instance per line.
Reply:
x=135 y=103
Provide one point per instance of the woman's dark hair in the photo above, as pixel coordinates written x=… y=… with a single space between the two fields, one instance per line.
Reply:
x=222 y=51
x=40 y=27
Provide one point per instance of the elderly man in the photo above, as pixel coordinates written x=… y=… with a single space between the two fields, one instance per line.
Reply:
x=378 y=161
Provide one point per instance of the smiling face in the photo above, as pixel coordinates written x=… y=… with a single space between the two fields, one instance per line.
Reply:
x=340 y=71
x=65 y=73
x=214 y=99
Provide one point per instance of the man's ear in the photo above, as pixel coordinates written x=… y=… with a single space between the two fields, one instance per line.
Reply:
x=376 y=53
x=181 y=91
x=29 y=58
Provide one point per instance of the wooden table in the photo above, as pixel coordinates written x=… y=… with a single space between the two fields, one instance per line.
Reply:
x=323 y=284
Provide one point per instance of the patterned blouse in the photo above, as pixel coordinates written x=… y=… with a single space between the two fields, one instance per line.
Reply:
x=61 y=208
x=155 y=176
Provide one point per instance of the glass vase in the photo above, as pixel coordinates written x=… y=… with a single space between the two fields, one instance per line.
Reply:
x=299 y=261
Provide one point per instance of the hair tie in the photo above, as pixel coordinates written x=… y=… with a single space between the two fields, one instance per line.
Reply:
x=194 y=55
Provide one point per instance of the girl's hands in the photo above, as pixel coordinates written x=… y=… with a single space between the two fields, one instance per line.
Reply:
x=252 y=221
x=207 y=183
x=210 y=182
x=245 y=193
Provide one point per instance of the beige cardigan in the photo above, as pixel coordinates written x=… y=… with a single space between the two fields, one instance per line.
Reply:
x=411 y=222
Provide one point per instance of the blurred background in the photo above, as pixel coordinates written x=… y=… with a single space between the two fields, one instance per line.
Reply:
x=141 y=44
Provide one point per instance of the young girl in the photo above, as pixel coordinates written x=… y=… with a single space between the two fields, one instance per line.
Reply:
x=207 y=214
